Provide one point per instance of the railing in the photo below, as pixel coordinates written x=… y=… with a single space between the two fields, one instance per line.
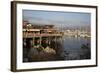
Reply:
x=25 y=35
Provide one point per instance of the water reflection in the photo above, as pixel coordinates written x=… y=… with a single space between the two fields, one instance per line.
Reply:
x=76 y=48
x=63 y=48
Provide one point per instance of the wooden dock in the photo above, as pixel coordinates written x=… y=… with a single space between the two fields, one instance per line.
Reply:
x=30 y=35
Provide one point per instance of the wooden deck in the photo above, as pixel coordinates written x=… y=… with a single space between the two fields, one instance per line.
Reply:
x=29 y=35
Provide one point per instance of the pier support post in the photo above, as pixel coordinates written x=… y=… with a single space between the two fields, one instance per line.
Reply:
x=40 y=40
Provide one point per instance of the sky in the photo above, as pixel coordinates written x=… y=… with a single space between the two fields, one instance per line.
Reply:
x=57 y=18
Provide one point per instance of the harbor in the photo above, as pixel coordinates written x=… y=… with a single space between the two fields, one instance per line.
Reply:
x=47 y=43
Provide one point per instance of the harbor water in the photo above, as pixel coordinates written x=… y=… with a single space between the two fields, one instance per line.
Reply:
x=76 y=48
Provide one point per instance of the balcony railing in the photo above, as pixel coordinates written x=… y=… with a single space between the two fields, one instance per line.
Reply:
x=30 y=35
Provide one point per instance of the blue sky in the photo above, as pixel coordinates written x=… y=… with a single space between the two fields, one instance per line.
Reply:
x=57 y=18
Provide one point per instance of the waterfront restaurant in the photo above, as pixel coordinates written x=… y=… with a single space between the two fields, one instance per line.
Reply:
x=40 y=37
